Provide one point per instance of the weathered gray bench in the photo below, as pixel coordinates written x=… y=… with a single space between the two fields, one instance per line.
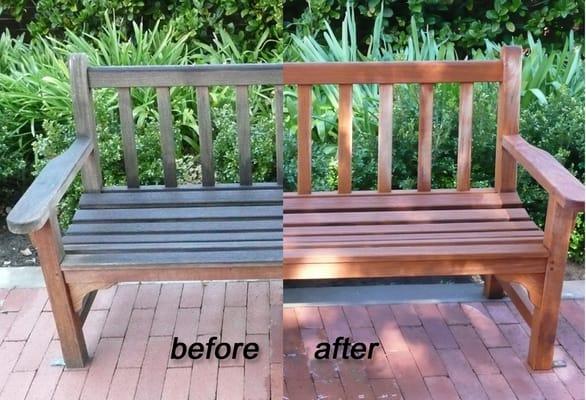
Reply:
x=137 y=233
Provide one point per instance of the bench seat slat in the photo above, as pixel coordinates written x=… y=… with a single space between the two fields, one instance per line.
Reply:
x=410 y=253
x=401 y=229
x=144 y=228
x=376 y=218
x=79 y=261
x=97 y=248
x=179 y=198
x=165 y=227
x=154 y=237
x=186 y=213
x=468 y=200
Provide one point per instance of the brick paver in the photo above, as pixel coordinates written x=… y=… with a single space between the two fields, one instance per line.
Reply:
x=430 y=351
x=129 y=332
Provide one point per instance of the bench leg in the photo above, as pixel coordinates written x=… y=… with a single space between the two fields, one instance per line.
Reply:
x=492 y=288
x=558 y=229
x=47 y=241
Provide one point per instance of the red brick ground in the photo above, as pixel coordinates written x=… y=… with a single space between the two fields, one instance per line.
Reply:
x=445 y=351
x=129 y=333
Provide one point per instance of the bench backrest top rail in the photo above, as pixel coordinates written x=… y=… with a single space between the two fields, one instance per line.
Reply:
x=392 y=72
x=185 y=75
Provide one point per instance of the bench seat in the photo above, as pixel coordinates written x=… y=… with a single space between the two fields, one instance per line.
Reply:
x=147 y=227
x=407 y=233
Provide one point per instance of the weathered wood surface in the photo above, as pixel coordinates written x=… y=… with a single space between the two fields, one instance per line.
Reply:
x=185 y=75
x=196 y=227
x=33 y=209
x=243 y=125
x=85 y=120
x=167 y=136
x=128 y=140
x=206 y=151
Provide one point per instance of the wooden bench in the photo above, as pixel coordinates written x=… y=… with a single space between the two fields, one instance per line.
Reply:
x=142 y=233
x=461 y=231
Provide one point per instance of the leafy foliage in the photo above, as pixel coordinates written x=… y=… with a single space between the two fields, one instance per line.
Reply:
x=465 y=23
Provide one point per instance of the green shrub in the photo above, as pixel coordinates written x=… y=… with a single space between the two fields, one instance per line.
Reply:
x=465 y=23
x=246 y=22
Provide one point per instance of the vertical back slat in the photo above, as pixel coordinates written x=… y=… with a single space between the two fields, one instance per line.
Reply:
x=508 y=118
x=206 y=156
x=345 y=140
x=385 y=138
x=304 y=139
x=279 y=132
x=85 y=121
x=167 y=138
x=128 y=142
x=464 y=137
x=425 y=128
x=243 y=122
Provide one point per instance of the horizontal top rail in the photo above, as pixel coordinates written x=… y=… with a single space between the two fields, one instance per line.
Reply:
x=185 y=75
x=392 y=72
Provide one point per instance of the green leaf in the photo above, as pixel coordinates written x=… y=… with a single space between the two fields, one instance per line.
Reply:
x=510 y=26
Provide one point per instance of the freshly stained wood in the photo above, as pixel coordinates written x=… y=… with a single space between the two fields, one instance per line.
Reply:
x=414 y=253
x=167 y=136
x=304 y=139
x=392 y=72
x=33 y=209
x=183 y=75
x=279 y=132
x=128 y=142
x=425 y=129
x=403 y=217
x=465 y=137
x=85 y=120
x=243 y=122
x=398 y=201
x=345 y=140
x=385 y=139
x=509 y=104
x=466 y=265
x=402 y=229
x=547 y=171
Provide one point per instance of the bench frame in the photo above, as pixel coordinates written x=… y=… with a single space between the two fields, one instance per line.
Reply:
x=71 y=291
x=539 y=302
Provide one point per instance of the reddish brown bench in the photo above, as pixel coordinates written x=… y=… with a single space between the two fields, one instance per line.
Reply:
x=144 y=233
x=462 y=231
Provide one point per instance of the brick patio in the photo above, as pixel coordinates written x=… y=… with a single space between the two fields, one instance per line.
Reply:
x=445 y=351
x=129 y=333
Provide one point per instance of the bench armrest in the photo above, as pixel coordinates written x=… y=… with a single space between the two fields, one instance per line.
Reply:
x=34 y=207
x=547 y=171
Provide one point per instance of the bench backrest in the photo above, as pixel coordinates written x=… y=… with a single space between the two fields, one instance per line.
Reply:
x=506 y=71
x=84 y=78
